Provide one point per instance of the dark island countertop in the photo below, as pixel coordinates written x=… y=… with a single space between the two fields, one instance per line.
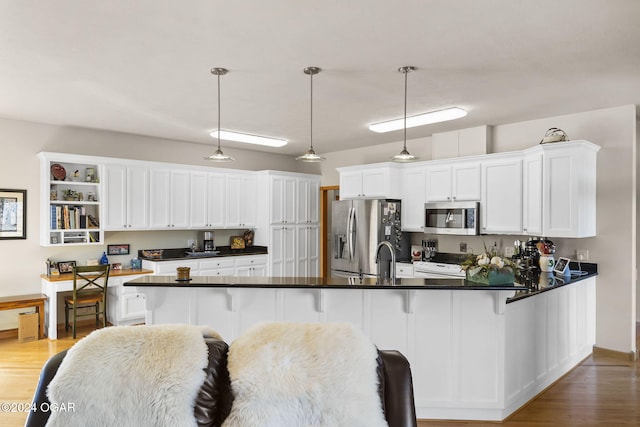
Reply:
x=314 y=282
x=546 y=283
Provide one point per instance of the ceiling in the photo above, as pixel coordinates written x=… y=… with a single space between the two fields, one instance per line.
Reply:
x=142 y=66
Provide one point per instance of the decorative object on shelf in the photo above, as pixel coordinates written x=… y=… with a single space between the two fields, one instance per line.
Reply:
x=118 y=249
x=218 y=155
x=53 y=194
x=58 y=172
x=404 y=155
x=66 y=266
x=13 y=214
x=93 y=221
x=488 y=268
x=136 y=264
x=91 y=197
x=554 y=135
x=116 y=266
x=248 y=238
x=70 y=195
x=104 y=260
x=90 y=174
x=310 y=155
x=237 y=242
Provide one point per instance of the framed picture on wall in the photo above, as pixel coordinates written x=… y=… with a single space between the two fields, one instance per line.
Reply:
x=117 y=249
x=13 y=214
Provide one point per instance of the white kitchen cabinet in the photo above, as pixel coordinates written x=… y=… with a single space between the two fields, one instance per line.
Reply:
x=381 y=181
x=223 y=266
x=453 y=182
x=307 y=248
x=501 y=204
x=251 y=265
x=126 y=201
x=125 y=306
x=282 y=250
x=532 y=183
x=241 y=195
x=207 y=198
x=169 y=199
x=283 y=191
x=308 y=201
x=568 y=195
x=459 y=143
x=413 y=198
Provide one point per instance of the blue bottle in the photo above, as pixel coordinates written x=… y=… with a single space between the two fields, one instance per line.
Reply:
x=104 y=260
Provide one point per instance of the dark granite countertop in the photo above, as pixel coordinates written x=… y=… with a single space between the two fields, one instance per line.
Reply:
x=315 y=282
x=183 y=253
x=536 y=282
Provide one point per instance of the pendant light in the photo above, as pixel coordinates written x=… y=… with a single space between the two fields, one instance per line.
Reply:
x=404 y=155
x=218 y=155
x=310 y=155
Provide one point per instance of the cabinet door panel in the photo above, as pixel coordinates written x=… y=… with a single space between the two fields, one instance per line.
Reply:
x=115 y=206
x=159 y=185
x=137 y=198
x=198 y=200
x=532 y=195
x=413 y=199
x=375 y=182
x=466 y=182
x=501 y=205
x=215 y=200
x=438 y=184
x=350 y=185
x=179 y=199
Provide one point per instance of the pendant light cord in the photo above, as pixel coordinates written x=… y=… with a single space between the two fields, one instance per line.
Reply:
x=406 y=71
x=311 y=125
x=219 y=111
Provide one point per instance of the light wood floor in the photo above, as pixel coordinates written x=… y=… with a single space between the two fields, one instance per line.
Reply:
x=601 y=391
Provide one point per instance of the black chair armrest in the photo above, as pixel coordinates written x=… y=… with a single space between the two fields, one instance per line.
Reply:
x=399 y=405
x=37 y=417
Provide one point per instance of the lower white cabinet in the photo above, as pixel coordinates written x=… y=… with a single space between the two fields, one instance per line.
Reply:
x=307 y=248
x=282 y=249
x=238 y=265
x=125 y=306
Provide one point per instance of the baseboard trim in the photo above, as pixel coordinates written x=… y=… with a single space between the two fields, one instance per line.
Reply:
x=9 y=333
x=631 y=356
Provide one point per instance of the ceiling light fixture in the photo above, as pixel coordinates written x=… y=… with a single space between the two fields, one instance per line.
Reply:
x=419 y=120
x=404 y=155
x=249 y=139
x=310 y=155
x=218 y=155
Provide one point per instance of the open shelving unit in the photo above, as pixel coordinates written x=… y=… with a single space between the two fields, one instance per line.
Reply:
x=71 y=200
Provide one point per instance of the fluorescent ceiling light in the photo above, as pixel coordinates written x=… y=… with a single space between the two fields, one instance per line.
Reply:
x=419 y=120
x=249 y=139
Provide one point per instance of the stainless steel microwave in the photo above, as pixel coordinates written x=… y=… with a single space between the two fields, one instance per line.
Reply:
x=451 y=218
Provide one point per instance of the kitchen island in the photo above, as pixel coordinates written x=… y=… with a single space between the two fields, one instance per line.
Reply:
x=477 y=352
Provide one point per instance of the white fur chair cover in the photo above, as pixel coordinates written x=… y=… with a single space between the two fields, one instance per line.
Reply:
x=304 y=374
x=131 y=376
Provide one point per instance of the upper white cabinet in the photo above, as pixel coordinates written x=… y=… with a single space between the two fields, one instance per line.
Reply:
x=380 y=181
x=562 y=186
x=240 y=205
x=208 y=197
x=532 y=182
x=413 y=198
x=453 y=182
x=169 y=198
x=459 y=143
x=501 y=204
x=71 y=197
x=283 y=190
x=308 y=202
x=126 y=201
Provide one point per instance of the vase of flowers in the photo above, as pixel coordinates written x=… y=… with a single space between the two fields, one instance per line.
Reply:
x=489 y=269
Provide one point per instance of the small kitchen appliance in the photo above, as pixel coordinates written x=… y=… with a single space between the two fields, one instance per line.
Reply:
x=208 y=244
x=451 y=218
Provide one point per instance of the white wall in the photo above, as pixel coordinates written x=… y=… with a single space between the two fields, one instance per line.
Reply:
x=614 y=248
x=22 y=261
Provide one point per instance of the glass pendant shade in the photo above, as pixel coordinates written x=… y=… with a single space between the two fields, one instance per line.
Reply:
x=310 y=155
x=218 y=155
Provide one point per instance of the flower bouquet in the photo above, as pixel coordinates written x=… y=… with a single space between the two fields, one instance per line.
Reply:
x=489 y=269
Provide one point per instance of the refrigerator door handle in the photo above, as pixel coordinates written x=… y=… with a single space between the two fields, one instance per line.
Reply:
x=352 y=232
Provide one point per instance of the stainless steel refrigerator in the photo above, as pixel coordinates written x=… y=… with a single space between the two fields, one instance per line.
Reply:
x=357 y=226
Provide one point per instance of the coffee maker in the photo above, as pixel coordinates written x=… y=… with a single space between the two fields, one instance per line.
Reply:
x=208 y=244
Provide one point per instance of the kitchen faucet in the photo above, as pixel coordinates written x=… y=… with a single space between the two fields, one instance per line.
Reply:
x=392 y=272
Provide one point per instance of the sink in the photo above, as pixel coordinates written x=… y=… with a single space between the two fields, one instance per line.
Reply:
x=202 y=254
